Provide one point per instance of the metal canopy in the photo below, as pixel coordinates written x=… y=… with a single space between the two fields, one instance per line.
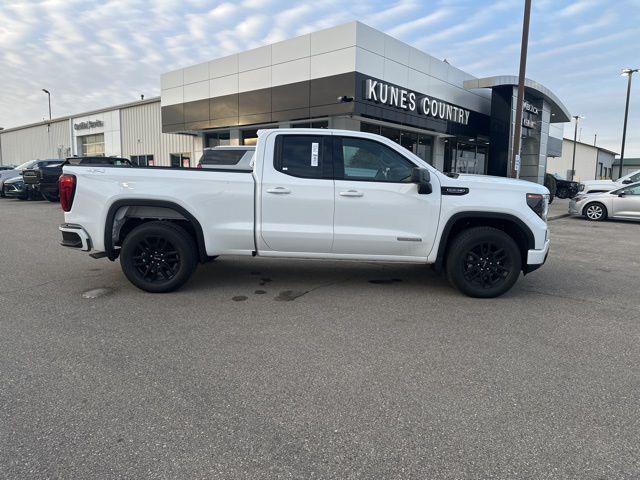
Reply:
x=559 y=113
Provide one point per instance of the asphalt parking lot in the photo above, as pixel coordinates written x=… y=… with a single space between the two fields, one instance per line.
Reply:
x=291 y=369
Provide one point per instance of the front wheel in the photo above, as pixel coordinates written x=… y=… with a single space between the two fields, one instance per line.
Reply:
x=483 y=262
x=158 y=257
x=595 y=212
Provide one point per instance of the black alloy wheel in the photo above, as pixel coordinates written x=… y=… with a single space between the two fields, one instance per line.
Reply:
x=483 y=262
x=158 y=256
x=486 y=265
x=156 y=259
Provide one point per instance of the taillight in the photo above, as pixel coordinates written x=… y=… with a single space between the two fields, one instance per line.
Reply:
x=67 y=188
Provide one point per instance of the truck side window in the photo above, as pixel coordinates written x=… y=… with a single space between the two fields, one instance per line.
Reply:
x=300 y=155
x=368 y=160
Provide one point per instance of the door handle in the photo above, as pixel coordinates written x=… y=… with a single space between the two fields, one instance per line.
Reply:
x=278 y=190
x=351 y=193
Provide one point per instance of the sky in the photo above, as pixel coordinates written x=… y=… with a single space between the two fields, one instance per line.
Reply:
x=97 y=54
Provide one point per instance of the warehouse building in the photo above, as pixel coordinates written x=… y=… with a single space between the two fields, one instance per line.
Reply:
x=592 y=162
x=132 y=130
x=350 y=76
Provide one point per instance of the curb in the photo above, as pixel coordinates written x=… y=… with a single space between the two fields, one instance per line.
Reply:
x=558 y=217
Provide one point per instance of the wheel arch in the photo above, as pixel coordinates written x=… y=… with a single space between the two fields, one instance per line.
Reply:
x=510 y=224
x=156 y=210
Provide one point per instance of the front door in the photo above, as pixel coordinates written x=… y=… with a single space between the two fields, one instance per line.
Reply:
x=378 y=211
x=297 y=194
x=627 y=205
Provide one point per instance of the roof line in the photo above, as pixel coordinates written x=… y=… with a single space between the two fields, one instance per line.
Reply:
x=82 y=114
x=591 y=145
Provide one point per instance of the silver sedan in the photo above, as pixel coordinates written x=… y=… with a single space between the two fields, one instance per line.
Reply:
x=618 y=203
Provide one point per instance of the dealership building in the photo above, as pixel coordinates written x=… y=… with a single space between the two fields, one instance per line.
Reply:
x=350 y=77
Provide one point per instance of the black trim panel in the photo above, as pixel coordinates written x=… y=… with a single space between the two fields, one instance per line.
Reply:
x=454 y=190
x=134 y=202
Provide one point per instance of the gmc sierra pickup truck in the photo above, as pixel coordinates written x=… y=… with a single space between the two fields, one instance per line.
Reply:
x=313 y=194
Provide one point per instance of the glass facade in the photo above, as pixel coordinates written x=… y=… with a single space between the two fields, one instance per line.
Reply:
x=417 y=143
x=92 y=145
x=466 y=155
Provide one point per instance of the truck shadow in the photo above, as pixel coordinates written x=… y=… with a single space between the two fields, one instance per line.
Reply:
x=289 y=279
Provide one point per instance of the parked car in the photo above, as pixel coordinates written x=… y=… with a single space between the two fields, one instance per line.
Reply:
x=599 y=186
x=227 y=157
x=26 y=190
x=15 y=188
x=565 y=188
x=13 y=172
x=44 y=179
x=619 y=203
x=311 y=193
x=7 y=167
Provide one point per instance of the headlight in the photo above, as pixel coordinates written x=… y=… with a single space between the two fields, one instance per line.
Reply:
x=539 y=203
x=581 y=187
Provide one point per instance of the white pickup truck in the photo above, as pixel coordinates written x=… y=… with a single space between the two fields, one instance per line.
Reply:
x=313 y=194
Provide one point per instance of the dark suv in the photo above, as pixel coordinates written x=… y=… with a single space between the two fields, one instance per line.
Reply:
x=16 y=186
x=44 y=179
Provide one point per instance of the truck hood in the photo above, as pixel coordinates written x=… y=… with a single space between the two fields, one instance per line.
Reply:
x=498 y=183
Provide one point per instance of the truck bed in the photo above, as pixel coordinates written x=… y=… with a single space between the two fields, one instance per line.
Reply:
x=222 y=201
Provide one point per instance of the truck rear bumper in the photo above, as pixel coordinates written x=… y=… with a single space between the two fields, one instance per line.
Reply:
x=74 y=236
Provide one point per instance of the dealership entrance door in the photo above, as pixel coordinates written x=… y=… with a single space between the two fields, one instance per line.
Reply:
x=466 y=155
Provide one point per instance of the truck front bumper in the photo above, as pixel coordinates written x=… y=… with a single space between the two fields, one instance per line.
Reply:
x=536 y=258
x=74 y=236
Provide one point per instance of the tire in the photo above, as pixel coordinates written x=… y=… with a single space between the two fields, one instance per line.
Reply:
x=551 y=183
x=158 y=257
x=483 y=262
x=595 y=212
x=51 y=198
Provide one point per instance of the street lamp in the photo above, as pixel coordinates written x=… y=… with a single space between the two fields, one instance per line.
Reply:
x=629 y=73
x=49 y=97
x=575 y=139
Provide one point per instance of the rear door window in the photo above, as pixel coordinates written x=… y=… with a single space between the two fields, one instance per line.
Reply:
x=306 y=156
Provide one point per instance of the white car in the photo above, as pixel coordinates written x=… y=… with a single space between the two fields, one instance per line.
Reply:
x=619 y=203
x=314 y=194
x=600 y=186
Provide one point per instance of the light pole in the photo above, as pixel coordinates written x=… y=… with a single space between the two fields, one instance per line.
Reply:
x=629 y=73
x=49 y=98
x=575 y=139
x=517 y=131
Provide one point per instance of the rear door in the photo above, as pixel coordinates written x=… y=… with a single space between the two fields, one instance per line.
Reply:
x=297 y=194
x=378 y=210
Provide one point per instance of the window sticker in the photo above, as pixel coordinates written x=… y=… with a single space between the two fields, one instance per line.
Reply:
x=314 y=154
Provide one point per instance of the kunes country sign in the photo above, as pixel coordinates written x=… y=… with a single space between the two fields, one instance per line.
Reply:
x=393 y=96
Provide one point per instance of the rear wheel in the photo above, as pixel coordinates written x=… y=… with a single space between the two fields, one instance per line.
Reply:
x=483 y=262
x=595 y=212
x=158 y=257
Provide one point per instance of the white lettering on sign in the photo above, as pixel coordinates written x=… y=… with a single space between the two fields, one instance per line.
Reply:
x=380 y=92
x=531 y=108
x=315 y=147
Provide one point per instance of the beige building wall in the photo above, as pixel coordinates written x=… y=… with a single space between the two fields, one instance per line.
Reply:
x=586 y=160
x=36 y=142
x=141 y=130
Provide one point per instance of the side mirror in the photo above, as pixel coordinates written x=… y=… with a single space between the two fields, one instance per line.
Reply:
x=627 y=181
x=422 y=178
x=622 y=194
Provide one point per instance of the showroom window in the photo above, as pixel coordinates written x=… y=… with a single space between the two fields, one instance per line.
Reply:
x=312 y=124
x=142 y=160
x=249 y=137
x=180 y=160
x=218 y=139
x=417 y=143
x=92 y=145
x=367 y=160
